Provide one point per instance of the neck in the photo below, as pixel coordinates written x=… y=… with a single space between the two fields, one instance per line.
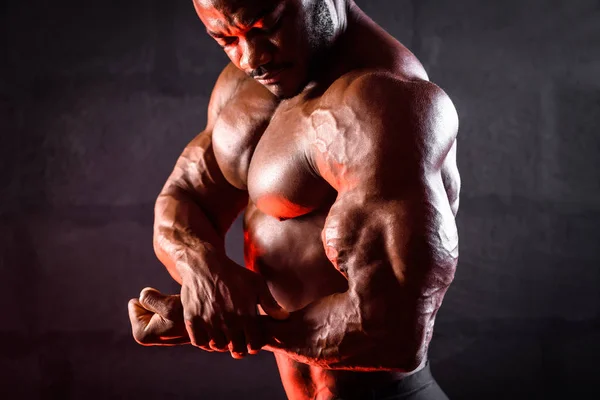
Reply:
x=325 y=63
x=336 y=57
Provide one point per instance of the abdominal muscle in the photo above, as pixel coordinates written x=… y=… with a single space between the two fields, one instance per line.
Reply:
x=289 y=254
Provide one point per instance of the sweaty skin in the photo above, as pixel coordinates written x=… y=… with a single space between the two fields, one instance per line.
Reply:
x=345 y=166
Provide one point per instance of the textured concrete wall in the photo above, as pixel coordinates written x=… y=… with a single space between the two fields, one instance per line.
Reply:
x=97 y=99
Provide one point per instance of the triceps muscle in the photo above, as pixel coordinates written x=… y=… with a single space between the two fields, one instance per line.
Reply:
x=399 y=255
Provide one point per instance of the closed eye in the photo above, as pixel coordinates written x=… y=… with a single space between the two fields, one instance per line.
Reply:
x=266 y=29
x=227 y=40
x=274 y=25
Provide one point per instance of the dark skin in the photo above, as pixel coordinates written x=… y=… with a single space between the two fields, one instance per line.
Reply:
x=345 y=165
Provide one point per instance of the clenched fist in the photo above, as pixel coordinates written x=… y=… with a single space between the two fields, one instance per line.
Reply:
x=157 y=319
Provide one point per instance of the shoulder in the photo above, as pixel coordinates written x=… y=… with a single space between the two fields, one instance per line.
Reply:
x=227 y=84
x=234 y=84
x=386 y=92
x=381 y=120
x=397 y=110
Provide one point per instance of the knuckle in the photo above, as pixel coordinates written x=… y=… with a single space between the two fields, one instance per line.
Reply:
x=148 y=297
x=254 y=347
x=174 y=303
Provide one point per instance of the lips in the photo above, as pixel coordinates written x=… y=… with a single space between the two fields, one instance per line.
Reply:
x=270 y=77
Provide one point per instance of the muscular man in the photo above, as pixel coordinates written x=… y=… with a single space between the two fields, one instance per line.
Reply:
x=327 y=133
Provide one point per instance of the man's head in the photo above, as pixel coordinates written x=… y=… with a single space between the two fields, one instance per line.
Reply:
x=273 y=41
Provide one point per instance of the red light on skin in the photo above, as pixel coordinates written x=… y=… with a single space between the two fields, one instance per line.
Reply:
x=250 y=252
x=281 y=207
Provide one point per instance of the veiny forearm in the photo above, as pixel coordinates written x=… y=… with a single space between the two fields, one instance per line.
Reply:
x=333 y=333
x=182 y=228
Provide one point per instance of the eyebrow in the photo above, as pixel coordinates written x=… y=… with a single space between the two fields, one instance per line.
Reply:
x=271 y=8
x=268 y=9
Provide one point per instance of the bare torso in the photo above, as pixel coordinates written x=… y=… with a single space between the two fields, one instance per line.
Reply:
x=269 y=157
x=350 y=190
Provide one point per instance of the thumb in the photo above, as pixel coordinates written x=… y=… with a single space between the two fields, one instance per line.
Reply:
x=161 y=304
x=270 y=305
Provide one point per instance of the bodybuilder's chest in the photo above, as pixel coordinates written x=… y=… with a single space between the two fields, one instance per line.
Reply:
x=272 y=163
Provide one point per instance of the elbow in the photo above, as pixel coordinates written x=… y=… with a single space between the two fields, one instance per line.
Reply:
x=397 y=354
x=413 y=360
x=401 y=345
x=160 y=253
x=158 y=239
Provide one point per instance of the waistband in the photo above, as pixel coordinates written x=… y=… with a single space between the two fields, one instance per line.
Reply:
x=407 y=385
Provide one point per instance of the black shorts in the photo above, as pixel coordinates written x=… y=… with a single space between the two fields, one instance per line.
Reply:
x=418 y=386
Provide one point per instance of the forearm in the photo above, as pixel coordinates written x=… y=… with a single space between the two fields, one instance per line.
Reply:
x=333 y=333
x=182 y=230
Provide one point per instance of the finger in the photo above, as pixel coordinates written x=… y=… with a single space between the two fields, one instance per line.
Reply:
x=139 y=318
x=138 y=314
x=197 y=333
x=168 y=307
x=270 y=305
x=217 y=339
x=162 y=332
x=254 y=336
x=237 y=341
x=273 y=331
x=259 y=310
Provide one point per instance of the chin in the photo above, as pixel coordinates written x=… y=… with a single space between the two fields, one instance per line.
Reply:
x=284 y=91
x=290 y=87
x=277 y=91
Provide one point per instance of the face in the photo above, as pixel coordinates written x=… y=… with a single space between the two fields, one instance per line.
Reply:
x=269 y=40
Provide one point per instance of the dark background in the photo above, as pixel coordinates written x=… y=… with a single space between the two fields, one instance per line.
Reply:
x=97 y=99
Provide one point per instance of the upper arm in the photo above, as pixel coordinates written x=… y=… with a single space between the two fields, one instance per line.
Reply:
x=197 y=174
x=391 y=230
x=226 y=86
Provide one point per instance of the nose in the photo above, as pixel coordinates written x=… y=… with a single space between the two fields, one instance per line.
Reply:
x=254 y=54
